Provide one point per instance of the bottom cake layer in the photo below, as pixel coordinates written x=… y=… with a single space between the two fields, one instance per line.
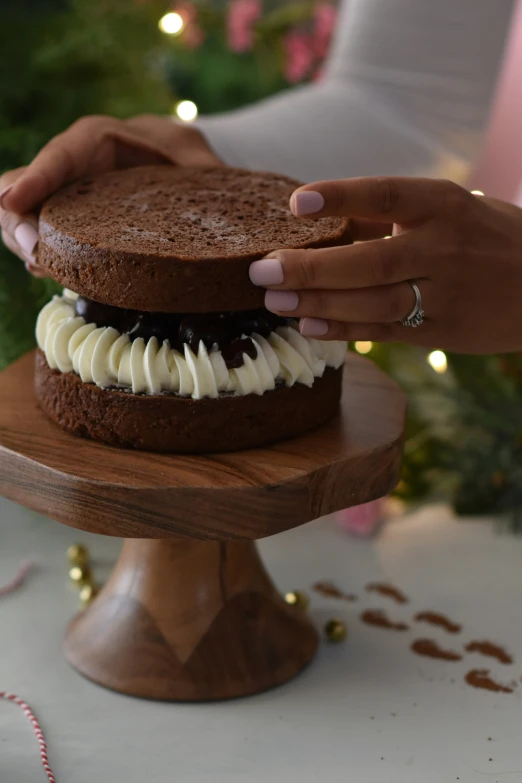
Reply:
x=181 y=424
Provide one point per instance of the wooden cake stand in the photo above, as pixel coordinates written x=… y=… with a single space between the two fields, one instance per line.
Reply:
x=189 y=611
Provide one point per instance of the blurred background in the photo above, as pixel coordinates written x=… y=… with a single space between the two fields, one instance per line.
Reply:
x=61 y=59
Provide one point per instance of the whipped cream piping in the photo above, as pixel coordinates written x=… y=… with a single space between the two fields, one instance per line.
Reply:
x=103 y=356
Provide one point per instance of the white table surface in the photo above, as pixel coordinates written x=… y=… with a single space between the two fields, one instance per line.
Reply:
x=367 y=711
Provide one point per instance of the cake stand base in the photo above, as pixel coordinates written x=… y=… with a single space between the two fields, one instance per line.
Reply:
x=191 y=621
x=189 y=612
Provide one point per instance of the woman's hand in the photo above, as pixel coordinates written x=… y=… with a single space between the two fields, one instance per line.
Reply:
x=90 y=146
x=464 y=253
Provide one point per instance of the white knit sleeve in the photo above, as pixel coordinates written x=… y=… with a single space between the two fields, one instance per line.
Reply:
x=407 y=91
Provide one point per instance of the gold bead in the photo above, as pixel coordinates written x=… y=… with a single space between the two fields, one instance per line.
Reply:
x=298 y=598
x=78 y=555
x=80 y=575
x=88 y=593
x=335 y=630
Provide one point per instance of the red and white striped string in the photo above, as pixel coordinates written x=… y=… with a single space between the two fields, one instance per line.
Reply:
x=37 y=730
x=24 y=569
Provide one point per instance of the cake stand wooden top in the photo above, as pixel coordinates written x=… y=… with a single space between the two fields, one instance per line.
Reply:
x=251 y=494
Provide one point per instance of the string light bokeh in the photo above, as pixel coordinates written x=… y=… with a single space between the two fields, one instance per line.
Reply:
x=187 y=111
x=171 y=23
x=437 y=360
x=363 y=346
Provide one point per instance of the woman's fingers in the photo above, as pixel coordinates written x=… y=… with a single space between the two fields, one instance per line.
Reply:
x=96 y=144
x=89 y=146
x=66 y=157
x=374 y=263
x=22 y=230
x=20 y=235
x=19 y=232
x=384 y=199
x=368 y=332
x=29 y=260
x=186 y=145
x=7 y=183
x=381 y=304
x=361 y=230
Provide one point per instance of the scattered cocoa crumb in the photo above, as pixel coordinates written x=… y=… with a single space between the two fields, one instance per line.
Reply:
x=430 y=649
x=378 y=618
x=489 y=739
x=388 y=591
x=330 y=590
x=440 y=620
x=491 y=650
x=479 y=678
x=393 y=714
x=490 y=759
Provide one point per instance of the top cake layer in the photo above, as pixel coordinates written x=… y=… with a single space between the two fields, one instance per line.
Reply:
x=171 y=239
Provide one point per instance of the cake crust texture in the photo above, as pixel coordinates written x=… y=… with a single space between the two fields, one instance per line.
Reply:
x=173 y=239
x=168 y=423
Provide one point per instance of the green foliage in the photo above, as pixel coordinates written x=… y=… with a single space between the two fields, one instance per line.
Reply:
x=217 y=79
x=464 y=430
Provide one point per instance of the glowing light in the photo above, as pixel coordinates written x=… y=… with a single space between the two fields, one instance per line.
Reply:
x=388 y=237
x=437 y=359
x=186 y=110
x=172 y=24
x=363 y=346
x=477 y=193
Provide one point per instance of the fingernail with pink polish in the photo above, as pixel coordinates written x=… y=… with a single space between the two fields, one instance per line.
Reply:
x=267 y=271
x=4 y=193
x=281 y=301
x=306 y=202
x=27 y=237
x=313 y=327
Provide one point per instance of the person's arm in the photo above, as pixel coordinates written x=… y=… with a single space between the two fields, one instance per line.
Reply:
x=407 y=91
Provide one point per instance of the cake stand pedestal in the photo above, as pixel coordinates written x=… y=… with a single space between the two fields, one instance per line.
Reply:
x=189 y=612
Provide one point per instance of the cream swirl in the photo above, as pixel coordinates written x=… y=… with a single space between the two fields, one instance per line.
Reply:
x=104 y=356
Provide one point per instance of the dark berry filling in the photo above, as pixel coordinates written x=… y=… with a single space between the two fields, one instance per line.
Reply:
x=224 y=329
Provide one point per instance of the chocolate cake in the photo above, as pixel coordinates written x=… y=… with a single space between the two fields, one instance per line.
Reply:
x=156 y=344
x=170 y=238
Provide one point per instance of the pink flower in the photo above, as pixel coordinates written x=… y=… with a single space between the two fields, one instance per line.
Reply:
x=242 y=15
x=325 y=16
x=193 y=36
x=299 y=57
x=363 y=520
